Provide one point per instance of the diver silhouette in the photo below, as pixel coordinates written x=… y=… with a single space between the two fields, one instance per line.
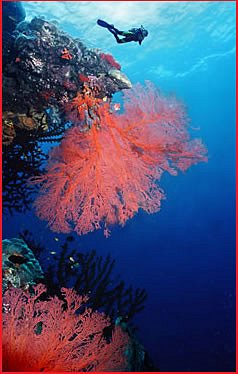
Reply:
x=132 y=35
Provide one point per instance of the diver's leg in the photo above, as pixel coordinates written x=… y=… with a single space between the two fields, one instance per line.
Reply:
x=114 y=33
x=118 y=31
x=118 y=39
x=113 y=29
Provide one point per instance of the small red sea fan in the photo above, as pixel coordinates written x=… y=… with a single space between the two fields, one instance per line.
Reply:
x=110 y=59
x=45 y=336
x=83 y=78
x=103 y=176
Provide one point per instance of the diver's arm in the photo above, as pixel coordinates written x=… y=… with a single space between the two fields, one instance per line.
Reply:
x=140 y=37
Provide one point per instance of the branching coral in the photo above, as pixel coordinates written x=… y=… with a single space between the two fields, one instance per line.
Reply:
x=21 y=160
x=105 y=175
x=55 y=335
x=88 y=273
x=23 y=157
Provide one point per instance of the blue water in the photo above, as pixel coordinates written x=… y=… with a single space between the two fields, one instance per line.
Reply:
x=184 y=255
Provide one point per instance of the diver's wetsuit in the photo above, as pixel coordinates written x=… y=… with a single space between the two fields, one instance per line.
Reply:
x=135 y=34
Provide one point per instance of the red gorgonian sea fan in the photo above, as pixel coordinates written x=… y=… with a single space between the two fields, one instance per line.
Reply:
x=110 y=59
x=50 y=336
x=103 y=176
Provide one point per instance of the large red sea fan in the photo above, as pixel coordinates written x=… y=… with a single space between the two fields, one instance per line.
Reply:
x=45 y=336
x=103 y=176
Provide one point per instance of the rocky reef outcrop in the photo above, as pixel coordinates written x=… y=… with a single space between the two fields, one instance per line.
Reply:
x=20 y=268
x=44 y=68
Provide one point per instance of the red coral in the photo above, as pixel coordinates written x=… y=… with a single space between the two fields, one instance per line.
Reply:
x=110 y=59
x=69 y=85
x=83 y=109
x=105 y=175
x=83 y=78
x=45 y=336
x=66 y=55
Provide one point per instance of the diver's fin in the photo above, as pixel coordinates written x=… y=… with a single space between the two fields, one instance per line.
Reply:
x=102 y=23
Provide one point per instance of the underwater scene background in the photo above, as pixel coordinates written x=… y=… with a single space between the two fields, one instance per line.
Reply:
x=182 y=258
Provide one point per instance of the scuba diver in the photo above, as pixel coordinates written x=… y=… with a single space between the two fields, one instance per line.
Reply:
x=133 y=35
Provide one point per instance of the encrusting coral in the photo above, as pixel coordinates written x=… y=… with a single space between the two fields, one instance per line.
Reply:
x=20 y=268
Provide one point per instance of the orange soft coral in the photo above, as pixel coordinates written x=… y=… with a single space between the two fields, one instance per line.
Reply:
x=45 y=336
x=105 y=175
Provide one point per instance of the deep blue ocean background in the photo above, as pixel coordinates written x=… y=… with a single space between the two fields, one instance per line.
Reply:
x=184 y=256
